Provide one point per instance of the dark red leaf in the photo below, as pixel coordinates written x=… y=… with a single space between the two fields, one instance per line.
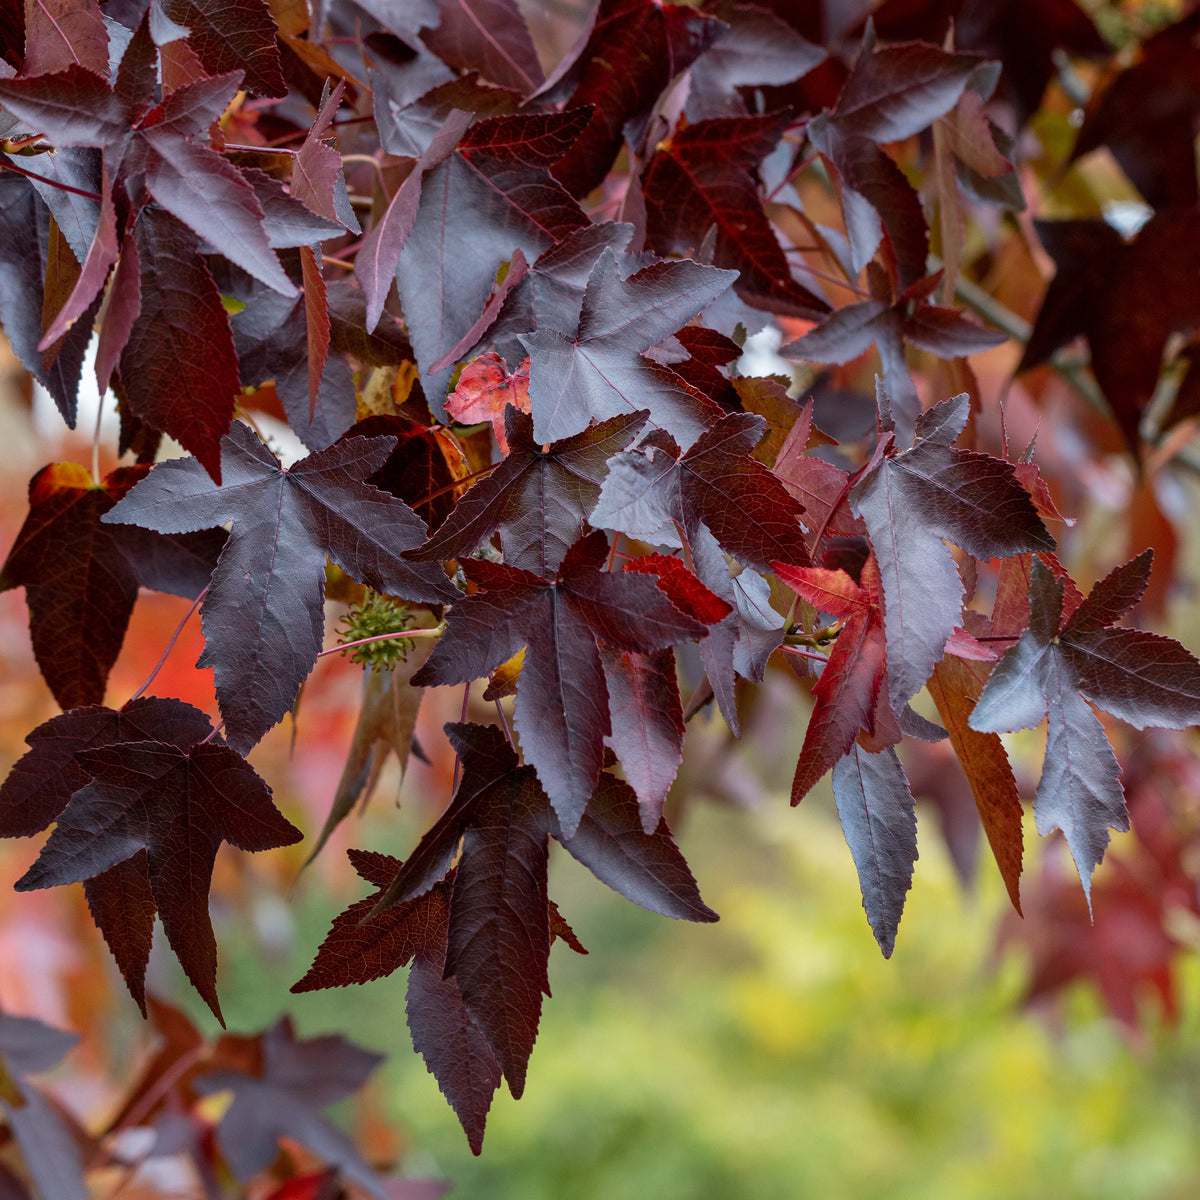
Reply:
x=1148 y=117
x=705 y=175
x=179 y=371
x=489 y=36
x=646 y=717
x=298 y=1078
x=233 y=35
x=538 y=498
x=717 y=483
x=263 y=617
x=562 y=700
x=653 y=43
x=645 y=867
x=178 y=805
x=848 y=691
x=910 y=502
x=81 y=576
x=876 y=811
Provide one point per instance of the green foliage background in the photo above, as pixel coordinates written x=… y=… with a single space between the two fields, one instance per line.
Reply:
x=776 y=1054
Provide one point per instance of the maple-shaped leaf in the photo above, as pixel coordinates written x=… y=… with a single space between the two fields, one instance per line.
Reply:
x=81 y=577
x=1056 y=668
x=704 y=176
x=909 y=502
x=875 y=807
x=854 y=328
x=550 y=292
x=232 y=35
x=562 y=699
x=847 y=693
x=492 y=196
x=177 y=805
x=645 y=867
x=653 y=43
x=717 y=483
x=537 y=497
x=1100 y=279
x=298 y=1077
x=263 y=617
x=49 y=1139
x=598 y=370
x=156 y=143
x=363 y=945
x=499 y=936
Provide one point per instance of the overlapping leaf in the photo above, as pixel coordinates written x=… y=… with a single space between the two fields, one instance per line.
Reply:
x=495 y=194
x=892 y=93
x=562 y=699
x=909 y=502
x=263 y=618
x=716 y=483
x=298 y=1078
x=1056 y=668
x=847 y=693
x=81 y=576
x=537 y=497
x=705 y=175
x=166 y=805
x=652 y=43
x=598 y=369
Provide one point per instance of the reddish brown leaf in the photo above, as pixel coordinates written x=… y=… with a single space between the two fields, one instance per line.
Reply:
x=955 y=686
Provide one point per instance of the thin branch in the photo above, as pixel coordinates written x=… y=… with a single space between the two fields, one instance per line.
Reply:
x=170 y=645
x=433 y=631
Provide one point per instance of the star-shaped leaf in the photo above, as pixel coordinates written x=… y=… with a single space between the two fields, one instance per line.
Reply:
x=562 y=699
x=176 y=804
x=537 y=497
x=298 y=1077
x=263 y=617
x=909 y=502
x=1056 y=668
x=598 y=369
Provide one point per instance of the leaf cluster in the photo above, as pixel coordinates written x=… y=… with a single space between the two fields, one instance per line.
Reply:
x=504 y=314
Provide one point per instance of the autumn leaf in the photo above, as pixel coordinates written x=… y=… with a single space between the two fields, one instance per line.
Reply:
x=1056 y=668
x=263 y=618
